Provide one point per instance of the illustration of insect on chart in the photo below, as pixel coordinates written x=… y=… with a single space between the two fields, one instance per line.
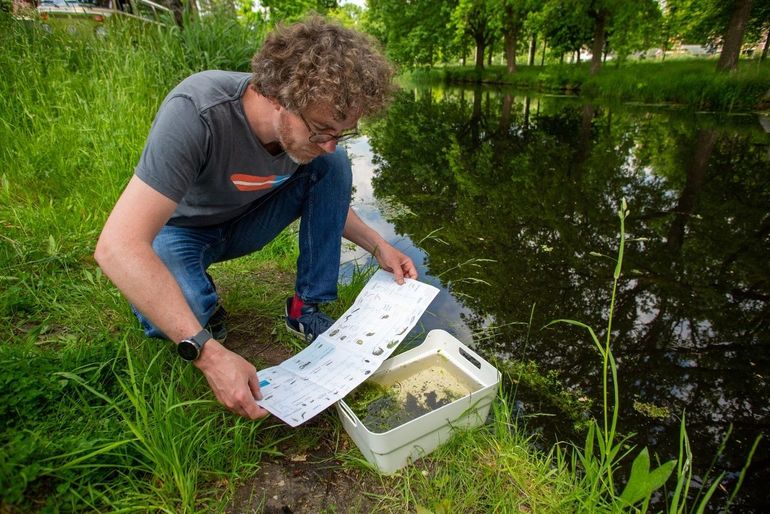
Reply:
x=348 y=352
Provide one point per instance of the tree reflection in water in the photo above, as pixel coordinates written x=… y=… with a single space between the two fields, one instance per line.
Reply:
x=534 y=183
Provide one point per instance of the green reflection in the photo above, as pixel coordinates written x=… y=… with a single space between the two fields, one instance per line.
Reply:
x=532 y=185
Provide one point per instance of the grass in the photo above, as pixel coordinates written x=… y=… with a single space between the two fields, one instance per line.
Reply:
x=692 y=83
x=95 y=417
x=492 y=468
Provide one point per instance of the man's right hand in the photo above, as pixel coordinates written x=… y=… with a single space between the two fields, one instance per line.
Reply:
x=232 y=378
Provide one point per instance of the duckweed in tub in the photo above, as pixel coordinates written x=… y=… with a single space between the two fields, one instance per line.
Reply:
x=408 y=392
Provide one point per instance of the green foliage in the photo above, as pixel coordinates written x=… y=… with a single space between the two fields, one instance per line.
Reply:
x=414 y=33
x=477 y=22
x=219 y=41
x=492 y=468
x=705 y=21
x=83 y=426
x=278 y=11
x=635 y=26
x=565 y=27
x=642 y=482
x=527 y=378
x=692 y=83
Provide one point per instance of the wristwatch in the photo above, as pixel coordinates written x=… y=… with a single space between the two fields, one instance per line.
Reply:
x=190 y=349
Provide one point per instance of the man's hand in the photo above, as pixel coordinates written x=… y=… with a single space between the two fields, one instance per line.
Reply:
x=396 y=262
x=233 y=380
x=386 y=254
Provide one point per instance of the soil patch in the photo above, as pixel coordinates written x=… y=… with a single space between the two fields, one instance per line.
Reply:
x=307 y=477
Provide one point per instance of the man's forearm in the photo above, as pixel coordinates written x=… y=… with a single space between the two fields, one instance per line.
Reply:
x=358 y=232
x=146 y=282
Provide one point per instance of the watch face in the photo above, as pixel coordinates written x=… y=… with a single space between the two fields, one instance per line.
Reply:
x=187 y=350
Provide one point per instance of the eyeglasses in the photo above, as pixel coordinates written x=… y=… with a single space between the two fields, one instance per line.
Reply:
x=322 y=137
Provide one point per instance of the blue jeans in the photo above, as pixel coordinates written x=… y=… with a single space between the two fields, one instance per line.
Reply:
x=318 y=193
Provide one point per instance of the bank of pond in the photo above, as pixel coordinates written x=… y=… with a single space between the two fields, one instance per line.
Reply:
x=694 y=84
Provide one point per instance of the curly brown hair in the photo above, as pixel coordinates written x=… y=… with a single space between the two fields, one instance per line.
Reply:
x=316 y=62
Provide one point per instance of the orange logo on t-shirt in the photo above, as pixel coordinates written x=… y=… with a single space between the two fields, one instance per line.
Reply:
x=256 y=183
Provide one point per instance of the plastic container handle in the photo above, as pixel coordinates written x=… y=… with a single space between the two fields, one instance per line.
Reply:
x=470 y=357
x=345 y=410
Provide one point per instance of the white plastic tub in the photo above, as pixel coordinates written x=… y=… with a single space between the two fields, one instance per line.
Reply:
x=392 y=450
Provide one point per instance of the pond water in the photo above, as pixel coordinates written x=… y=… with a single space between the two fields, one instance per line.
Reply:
x=509 y=203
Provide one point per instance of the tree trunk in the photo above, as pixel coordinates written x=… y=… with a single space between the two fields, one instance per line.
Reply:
x=763 y=56
x=542 y=57
x=511 y=40
x=510 y=52
x=476 y=117
x=479 y=53
x=505 y=116
x=598 y=43
x=731 y=49
x=532 y=50
x=696 y=177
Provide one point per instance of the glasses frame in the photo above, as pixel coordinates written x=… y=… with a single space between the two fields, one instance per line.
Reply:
x=320 y=138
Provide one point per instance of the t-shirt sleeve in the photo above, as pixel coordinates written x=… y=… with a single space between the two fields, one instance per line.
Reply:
x=176 y=148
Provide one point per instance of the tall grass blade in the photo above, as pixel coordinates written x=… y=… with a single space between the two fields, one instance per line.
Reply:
x=742 y=475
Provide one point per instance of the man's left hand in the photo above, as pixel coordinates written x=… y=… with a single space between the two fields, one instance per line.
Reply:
x=396 y=262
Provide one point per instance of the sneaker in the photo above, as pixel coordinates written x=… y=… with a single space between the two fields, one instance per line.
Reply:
x=309 y=324
x=217 y=324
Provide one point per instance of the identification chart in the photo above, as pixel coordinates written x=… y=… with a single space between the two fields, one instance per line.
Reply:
x=348 y=352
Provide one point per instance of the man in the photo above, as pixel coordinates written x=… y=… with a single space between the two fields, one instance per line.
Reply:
x=231 y=160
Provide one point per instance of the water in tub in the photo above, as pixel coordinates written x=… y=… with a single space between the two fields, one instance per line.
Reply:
x=408 y=392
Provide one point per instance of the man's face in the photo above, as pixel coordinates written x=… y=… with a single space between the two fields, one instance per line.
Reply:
x=294 y=132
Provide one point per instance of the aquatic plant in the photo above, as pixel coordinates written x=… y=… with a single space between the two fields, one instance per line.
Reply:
x=604 y=449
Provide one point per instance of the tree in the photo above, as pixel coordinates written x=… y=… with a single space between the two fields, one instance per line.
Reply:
x=617 y=23
x=566 y=28
x=416 y=33
x=349 y=15
x=715 y=22
x=475 y=18
x=600 y=12
x=513 y=14
x=736 y=27
x=639 y=26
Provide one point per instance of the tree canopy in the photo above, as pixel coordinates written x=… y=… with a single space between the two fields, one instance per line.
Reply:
x=427 y=32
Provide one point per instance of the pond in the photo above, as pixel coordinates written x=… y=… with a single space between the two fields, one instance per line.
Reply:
x=509 y=203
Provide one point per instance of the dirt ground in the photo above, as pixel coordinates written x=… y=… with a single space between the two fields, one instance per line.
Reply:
x=308 y=477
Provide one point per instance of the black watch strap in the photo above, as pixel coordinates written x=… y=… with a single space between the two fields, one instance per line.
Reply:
x=190 y=349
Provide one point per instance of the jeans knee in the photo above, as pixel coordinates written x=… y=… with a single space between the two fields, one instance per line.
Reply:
x=182 y=251
x=336 y=167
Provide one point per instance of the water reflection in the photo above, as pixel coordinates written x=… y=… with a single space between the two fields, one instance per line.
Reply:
x=511 y=198
x=446 y=312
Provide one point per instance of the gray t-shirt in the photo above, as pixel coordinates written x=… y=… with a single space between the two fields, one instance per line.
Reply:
x=202 y=154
